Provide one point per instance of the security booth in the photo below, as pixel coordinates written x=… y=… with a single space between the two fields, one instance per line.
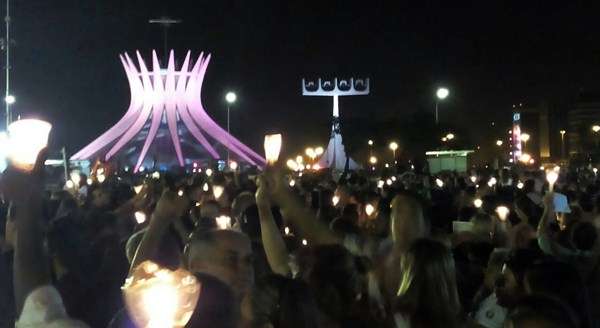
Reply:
x=448 y=160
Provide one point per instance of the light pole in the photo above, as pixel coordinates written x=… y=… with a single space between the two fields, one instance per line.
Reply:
x=441 y=94
x=230 y=97
x=8 y=98
x=562 y=143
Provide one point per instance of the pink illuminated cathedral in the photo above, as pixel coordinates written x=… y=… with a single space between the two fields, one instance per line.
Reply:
x=166 y=122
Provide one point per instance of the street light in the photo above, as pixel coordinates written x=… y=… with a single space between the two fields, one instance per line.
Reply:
x=441 y=94
x=499 y=143
x=310 y=152
x=450 y=136
x=373 y=160
x=230 y=98
x=562 y=143
x=394 y=147
x=596 y=128
x=319 y=151
x=10 y=99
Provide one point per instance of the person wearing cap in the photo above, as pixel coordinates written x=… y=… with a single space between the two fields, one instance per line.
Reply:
x=582 y=235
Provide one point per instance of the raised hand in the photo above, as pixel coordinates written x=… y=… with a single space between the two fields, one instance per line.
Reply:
x=171 y=206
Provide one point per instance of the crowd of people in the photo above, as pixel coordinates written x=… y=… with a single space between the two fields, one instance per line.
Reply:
x=396 y=248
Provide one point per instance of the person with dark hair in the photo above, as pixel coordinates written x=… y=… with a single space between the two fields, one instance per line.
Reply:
x=427 y=295
x=508 y=287
x=537 y=311
x=338 y=282
x=279 y=302
x=581 y=236
x=562 y=281
x=217 y=305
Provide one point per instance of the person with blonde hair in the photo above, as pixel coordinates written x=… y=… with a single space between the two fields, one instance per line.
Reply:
x=427 y=295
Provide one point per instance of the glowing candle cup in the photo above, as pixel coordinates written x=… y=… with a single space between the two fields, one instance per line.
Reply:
x=272 y=148
x=502 y=212
x=369 y=209
x=158 y=297
x=218 y=191
x=25 y=140
x=551 y=177
x=223 y=222
x=140 y=217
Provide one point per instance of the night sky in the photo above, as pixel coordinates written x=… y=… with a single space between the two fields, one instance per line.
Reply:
x=66 y=67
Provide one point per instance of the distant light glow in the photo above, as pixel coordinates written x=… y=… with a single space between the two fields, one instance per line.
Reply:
x=180 y=193
x=140 y=217
x=208 y=172
x=218 y=191
x=10 y=99
x=439 y=183
x=393 y=146
x=90 y=181
x=442 y=93
x=373 y=160
x=205 y=187
x=69 y=184
x=292 y=165
x=230 y=97
x=492 y=182
x=156 y=175
x=473 y=178
x=233 y=165
x=502 y=212
x=369 y=209
x=304 y=242
x=478 y=203
x=380 y=184
x=101 y=178
x=223 y=222
x=520 y=185
x=335 y=200
x=76 y=177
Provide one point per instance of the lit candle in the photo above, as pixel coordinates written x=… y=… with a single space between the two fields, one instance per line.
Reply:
x=25 y=140
x=223 y=222
x=218 y=191
x=369 y=209
x=272 y=148
x=502 y=212
x=140 y=217
x=158 y=297
x=551 y=177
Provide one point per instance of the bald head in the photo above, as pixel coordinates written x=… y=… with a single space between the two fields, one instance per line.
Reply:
x=224 y=254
